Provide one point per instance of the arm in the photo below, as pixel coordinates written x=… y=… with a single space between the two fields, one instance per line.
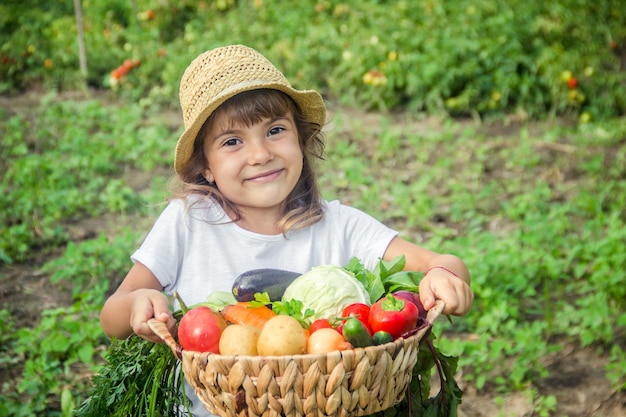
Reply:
x=137 y=299
x=447 y=278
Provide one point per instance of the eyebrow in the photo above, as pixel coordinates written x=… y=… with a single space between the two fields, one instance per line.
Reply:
x=231 y=130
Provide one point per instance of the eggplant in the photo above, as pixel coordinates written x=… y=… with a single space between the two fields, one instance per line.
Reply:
x=269 y=280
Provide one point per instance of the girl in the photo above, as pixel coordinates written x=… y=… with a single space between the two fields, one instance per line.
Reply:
x=249 y=199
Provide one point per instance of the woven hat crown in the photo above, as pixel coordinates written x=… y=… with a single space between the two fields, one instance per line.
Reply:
x=221 y=73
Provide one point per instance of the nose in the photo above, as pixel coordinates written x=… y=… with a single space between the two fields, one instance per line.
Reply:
x=259 y=152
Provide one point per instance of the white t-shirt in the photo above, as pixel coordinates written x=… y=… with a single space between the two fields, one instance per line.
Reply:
x=195 y=250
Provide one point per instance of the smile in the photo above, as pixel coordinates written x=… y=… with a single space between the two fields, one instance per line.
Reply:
x=266 y=176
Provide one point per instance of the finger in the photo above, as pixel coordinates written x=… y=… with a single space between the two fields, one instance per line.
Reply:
x=144 y=331
x=468 y=298
x=161 y=309
x=427 y=296
x=151 y=338
x=138 y=320
x=444 y=290
x=451 y=301
x=464 y=297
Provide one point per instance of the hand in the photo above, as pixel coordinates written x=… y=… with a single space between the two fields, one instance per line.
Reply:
x=439 y=284
x=147 y=304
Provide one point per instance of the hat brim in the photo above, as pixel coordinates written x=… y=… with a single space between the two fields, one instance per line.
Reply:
x=310 y=102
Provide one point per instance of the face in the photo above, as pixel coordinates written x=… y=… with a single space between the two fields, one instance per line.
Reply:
x=255 y=167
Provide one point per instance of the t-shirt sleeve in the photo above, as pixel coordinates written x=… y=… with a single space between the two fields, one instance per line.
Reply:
x=365 y=237
x=162 y=250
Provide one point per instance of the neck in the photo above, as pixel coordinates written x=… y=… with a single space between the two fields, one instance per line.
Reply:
x=260 y=221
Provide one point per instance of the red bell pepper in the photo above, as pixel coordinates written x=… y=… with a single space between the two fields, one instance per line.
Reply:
x=393 y=315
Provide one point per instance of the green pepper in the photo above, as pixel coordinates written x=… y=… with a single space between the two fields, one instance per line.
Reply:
x=355 y=333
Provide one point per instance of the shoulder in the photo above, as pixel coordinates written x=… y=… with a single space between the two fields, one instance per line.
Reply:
x=336 y=208
x=190 y=211
x=344 y=218
x=195 y=204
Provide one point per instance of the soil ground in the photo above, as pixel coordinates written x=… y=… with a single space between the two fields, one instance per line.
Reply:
x=576 y=378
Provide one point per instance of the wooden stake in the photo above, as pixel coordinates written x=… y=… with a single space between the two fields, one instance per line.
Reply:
x=82 y=56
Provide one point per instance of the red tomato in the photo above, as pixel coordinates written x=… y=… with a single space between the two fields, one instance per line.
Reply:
x=320 y=324
x=572 y=83
x=359 y=310
x=393 y=315
x=200 y=330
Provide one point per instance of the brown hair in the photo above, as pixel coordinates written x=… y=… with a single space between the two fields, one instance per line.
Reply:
x=303 y=206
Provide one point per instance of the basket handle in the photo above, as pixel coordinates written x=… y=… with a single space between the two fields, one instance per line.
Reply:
x=160 y=329
x=434 y=312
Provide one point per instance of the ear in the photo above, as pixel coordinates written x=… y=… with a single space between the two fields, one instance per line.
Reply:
x=208 y=176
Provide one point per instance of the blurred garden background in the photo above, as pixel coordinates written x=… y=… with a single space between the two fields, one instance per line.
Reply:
x=492 y=129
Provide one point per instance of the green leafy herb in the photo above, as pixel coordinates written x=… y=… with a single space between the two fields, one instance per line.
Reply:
x=387 y=276
x=293 y=308
x=140 y=378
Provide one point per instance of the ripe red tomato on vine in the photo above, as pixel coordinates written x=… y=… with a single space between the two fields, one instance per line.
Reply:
x=572 y=83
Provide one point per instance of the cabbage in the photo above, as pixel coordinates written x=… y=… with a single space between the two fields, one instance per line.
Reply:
x=326 y=290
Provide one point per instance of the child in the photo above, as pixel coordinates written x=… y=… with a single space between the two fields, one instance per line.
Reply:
x=249 y=199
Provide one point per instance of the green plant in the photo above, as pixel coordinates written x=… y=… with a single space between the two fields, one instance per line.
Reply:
x=96 y=147
x=487 y=58
x=139 y=378
x=90 y=267
x=54 y=351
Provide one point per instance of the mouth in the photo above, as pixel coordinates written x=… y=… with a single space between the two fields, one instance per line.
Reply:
x=266 y=176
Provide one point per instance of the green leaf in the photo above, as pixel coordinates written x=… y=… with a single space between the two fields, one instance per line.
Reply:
x=217 y=300
x=355 y=266
x=85 y=353
x=293 y=308
x=404 y=280
x=394 y=266
x=370 y=280
x=67 y=403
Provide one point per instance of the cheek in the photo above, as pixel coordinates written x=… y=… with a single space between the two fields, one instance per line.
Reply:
x=298 y=162
x=222 y=172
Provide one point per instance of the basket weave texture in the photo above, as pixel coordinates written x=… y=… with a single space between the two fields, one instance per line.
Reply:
x=347 y=383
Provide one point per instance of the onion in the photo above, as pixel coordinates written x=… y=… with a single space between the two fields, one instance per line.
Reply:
x=326 y=340
x=413 y=298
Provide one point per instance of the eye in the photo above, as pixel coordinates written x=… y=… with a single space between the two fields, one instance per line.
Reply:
x=275 y=130
x=231 y=142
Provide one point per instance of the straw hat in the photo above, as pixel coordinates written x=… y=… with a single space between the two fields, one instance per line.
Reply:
x=221 y=73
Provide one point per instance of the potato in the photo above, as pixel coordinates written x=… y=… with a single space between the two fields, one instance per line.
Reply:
x=282 y=335
x=239 y=339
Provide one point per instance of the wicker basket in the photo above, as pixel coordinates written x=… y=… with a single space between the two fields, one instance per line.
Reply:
x=349 y=383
